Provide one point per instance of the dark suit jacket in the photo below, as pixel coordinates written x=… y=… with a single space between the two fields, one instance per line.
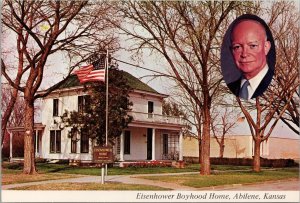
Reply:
x=263 y=85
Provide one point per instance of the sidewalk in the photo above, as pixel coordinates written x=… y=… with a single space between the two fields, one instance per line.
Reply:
x=127 y=179
x=287 y=184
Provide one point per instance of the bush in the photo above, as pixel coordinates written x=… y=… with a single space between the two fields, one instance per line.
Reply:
x=276 y=163
x=40 y=160
x=13 y=166
x=63 y=161
x=5 y=159
x=147 y=164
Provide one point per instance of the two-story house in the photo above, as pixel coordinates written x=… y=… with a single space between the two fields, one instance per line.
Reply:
x=150 y=136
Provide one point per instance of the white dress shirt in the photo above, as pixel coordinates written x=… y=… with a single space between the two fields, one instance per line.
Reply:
x=255 y=81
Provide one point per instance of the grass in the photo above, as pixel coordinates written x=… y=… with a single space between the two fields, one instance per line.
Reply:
x=225 y=178
x=222 y=175
x=89 y=186
x=13 y=177
x=66 y=169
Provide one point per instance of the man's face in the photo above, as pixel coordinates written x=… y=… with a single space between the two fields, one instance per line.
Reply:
x=249 y=48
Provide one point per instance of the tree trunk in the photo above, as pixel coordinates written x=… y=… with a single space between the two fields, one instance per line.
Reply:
x=200 y=147
x=256 y=158
x=29 y=156
x=222 y=147
x=205 y=162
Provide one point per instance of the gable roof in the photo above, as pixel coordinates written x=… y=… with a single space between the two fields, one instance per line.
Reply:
x=133 y=82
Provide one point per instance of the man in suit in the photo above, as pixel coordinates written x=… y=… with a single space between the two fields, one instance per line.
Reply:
x=249 y=47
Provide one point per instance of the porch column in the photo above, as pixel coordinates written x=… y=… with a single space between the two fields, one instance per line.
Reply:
x=10 y=146
x=36 y=141
x=122 y=146
x=180 y=146
x=153 y=144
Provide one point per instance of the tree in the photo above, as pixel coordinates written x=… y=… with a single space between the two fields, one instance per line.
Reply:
x=237 y=147
x=285 y=26
x=42 y=28
x=16 y=119
x=17 y=115
x=92 y=120
x=192 y=112
x=187 y=34
x=222 y=123
x=270 y=107
x=170 y=108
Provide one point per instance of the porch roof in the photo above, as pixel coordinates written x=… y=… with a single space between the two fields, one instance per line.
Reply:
x=37 y=126
x=156 y=125
x=159 y=121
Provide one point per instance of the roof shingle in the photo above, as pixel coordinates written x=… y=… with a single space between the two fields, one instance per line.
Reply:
x=133 y=82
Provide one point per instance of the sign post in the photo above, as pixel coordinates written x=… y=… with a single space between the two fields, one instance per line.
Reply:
x=103 y=155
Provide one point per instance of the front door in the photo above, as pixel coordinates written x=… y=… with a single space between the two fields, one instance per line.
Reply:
x=149 y=143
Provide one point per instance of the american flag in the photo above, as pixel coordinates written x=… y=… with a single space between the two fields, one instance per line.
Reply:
x=91 y=73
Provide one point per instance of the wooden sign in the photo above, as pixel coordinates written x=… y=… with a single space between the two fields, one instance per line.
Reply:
x=103 y=155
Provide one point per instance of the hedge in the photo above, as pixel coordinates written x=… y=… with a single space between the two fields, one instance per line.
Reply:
x=275 y=163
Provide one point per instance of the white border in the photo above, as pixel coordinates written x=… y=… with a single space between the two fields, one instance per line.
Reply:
x=149 y=196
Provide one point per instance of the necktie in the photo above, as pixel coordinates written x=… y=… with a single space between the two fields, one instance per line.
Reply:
x=244 y=90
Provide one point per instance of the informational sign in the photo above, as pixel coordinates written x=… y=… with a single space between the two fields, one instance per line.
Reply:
x=103 y=155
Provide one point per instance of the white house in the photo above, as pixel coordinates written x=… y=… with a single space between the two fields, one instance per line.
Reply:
x=150 y=136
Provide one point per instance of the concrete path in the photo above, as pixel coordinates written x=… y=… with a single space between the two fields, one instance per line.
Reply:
x=291 y=184
x=134 y=179
x=128 y=179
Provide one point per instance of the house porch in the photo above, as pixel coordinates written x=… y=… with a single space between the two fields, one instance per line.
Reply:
x=149 y=144
x=38 y=131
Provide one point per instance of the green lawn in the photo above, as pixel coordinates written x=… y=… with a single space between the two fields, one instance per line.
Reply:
x=16 y=176
x=221 y=175
x=65 y=168
x=225 y=178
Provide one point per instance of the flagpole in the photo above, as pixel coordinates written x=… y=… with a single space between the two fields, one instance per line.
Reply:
x=106 y=126
x=106 y=120
x=104 y=167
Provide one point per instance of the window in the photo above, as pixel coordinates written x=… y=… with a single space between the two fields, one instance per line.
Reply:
x=127 y=142
x=150 y=109
x=173 y=143
x=55 y=141
x=170 y=146
x=84 y=142
x=83 y=103
x=55 y=107
x=36 y=140
x=73 y=141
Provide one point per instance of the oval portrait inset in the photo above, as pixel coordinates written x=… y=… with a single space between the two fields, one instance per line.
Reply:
x=248 y=56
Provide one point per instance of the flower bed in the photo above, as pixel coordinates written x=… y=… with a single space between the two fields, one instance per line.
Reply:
x=146 y=164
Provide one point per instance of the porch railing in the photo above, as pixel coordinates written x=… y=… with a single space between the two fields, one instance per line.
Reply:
x=155 y=118
x=171 y=156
